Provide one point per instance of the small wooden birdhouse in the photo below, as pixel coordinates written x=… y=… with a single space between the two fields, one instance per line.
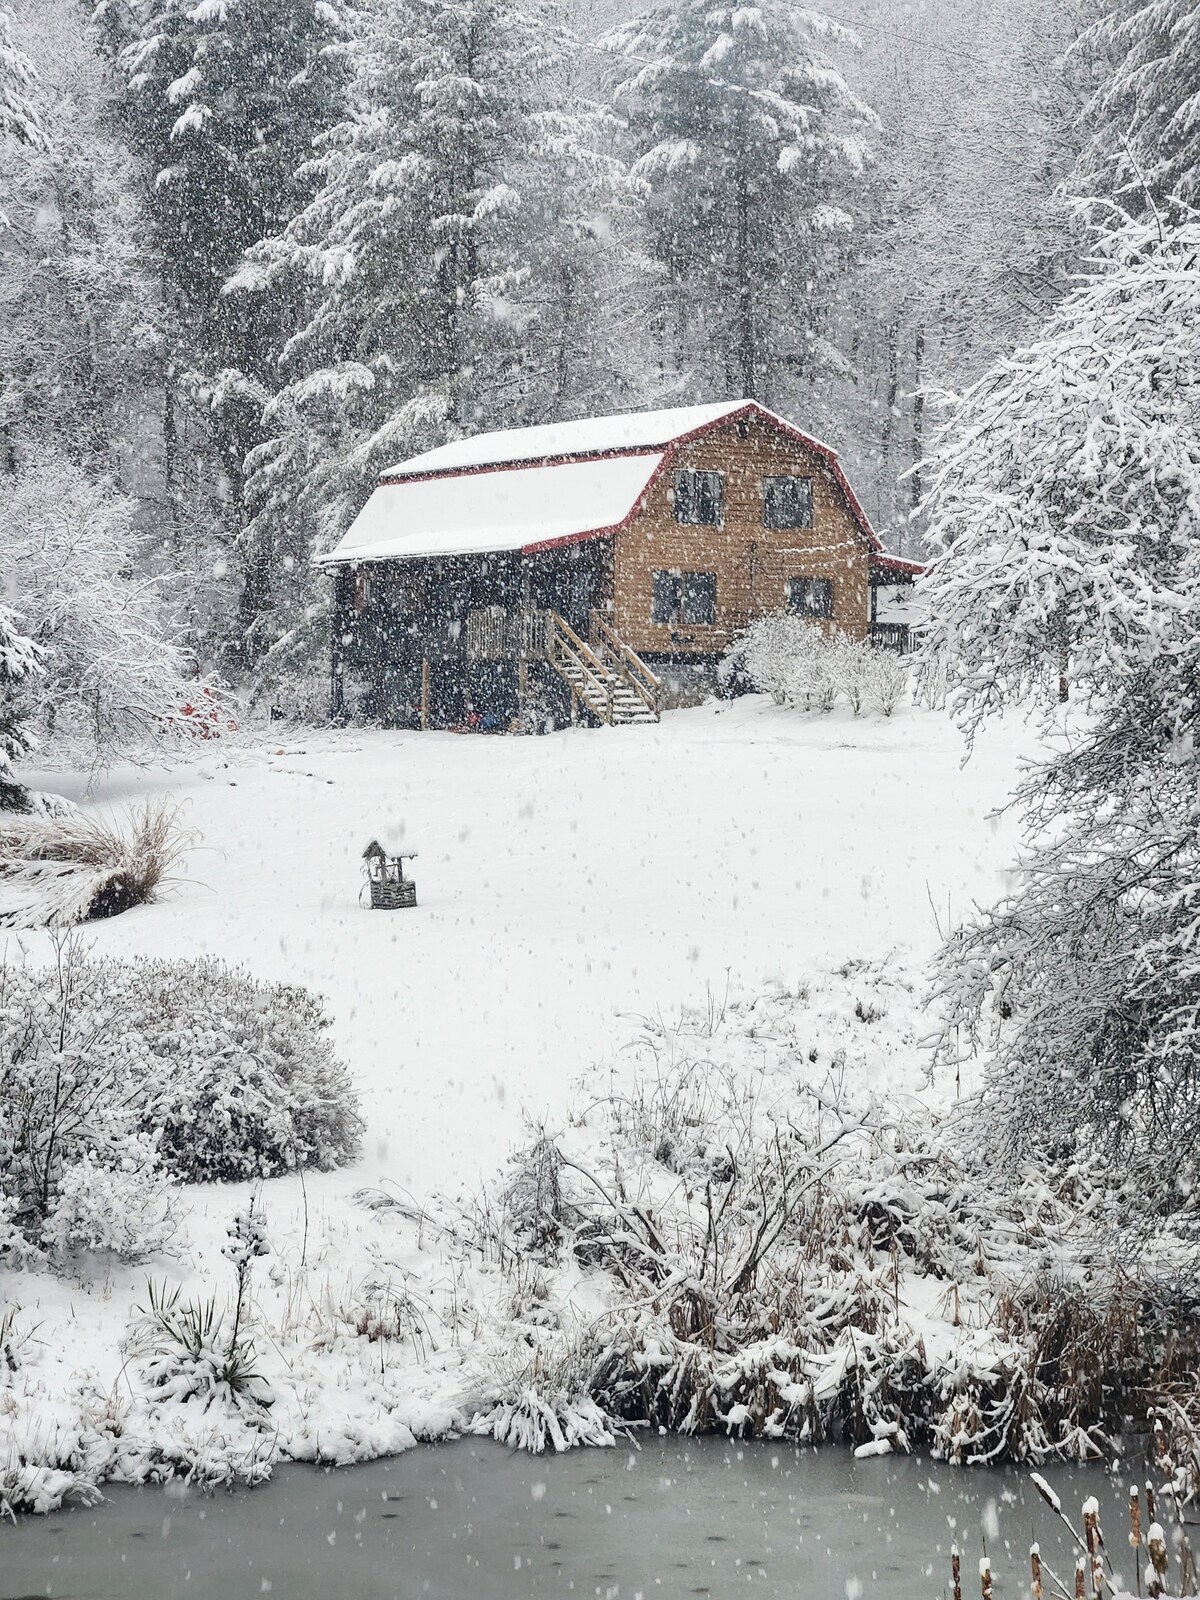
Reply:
x=390 y=889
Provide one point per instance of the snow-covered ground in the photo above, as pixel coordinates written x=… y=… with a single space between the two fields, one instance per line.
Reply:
x=568 y=886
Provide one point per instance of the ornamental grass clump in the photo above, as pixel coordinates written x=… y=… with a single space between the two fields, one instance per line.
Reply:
x=56 y=871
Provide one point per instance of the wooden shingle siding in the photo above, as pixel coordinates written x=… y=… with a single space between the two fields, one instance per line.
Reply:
x=752 y=562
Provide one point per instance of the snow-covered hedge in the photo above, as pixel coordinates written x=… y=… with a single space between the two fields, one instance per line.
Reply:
x=119 y=1077
x=800 y=666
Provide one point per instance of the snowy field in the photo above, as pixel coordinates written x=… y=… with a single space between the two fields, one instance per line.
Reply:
x=569 y=886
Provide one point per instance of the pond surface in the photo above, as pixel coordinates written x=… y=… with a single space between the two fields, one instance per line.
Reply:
x=468 y=1521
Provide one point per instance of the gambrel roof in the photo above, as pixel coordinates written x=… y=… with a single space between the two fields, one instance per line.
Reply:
x=528 y=489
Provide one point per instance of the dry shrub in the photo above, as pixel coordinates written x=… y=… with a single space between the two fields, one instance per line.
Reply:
x=58 y=871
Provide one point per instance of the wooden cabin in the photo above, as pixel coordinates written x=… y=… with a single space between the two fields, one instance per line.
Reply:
x=523 y=578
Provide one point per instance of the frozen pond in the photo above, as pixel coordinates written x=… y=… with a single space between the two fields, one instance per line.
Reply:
x=468 y=1521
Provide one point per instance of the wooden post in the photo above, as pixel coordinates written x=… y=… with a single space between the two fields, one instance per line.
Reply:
x=338 y=624
x=525 y=637
x=424 y=691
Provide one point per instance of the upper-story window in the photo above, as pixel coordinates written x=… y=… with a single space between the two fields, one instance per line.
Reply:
x=787 y=502
x=700 y=498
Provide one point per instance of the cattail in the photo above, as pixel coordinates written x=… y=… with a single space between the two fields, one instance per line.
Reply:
x=985 y=1578
x=1156 y=1544
x=1094 y=1542
x=1079 y=1581
x=1150 y=1512
x=956 y=1572
x=1035 y=1566
x=1135 y=1517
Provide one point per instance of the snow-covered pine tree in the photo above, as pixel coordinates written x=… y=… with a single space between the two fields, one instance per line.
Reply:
x=225 y=100
x=19 y=117
x=449 y=255
x=966 y=245
x=582 y=305
x=751 y=149
x=20 y=661
x=1147 y=109
x=1065 y=504
x=80 y=335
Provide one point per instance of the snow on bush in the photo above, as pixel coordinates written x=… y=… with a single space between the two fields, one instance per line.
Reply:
x=117 y=1077
x=781 y=1241
x=800 y=666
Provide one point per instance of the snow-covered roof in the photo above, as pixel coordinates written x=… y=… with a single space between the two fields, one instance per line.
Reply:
x=479 y=513
x=526 y=488
x=630 y=430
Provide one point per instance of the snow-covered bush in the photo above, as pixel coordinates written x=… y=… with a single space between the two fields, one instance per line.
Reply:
x=888 y=681
x=799 y=665
x=292 y=679
x=121 y=1205
x=1065 y=507
x=59 y=870
x=115 y=1076
x=851 y=668
x=114 y=674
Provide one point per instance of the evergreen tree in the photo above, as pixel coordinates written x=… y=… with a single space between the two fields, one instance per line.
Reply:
x=20 y=662
x=1147 y=109
x=450 y=255
x=1065 y=506
x=19 y=118
x=751 y=149
x=226 y=98
x=80 y=335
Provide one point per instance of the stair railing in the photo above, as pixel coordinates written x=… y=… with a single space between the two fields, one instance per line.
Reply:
x=567 y=652
x=627 y=664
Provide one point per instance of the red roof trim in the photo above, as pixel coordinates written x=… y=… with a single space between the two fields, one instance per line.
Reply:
x=882 y=560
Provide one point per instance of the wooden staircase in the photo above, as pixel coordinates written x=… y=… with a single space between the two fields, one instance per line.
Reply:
x=606 y=678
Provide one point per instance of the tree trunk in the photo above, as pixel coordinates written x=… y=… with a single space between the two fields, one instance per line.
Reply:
x=888 y=431
x=170 y=437
x=746 y=350
x=918 y=414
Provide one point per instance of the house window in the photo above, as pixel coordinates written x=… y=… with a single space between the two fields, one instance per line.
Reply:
x=700 y=597
x=684 y=597
x=787 y=502
x=810 y=597
x=700 y=498
x=667 y=598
